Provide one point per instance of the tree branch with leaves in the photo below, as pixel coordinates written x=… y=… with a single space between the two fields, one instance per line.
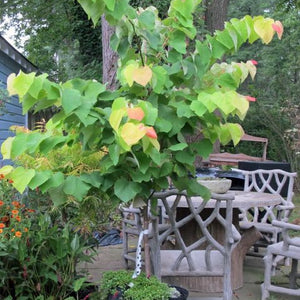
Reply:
x=142 y=126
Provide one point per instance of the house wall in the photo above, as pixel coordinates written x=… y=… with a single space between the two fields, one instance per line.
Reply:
x=11 y=61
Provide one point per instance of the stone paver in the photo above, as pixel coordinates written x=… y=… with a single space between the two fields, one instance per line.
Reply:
x=110 y=258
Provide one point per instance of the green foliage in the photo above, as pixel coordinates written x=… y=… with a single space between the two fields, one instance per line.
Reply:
x=165 y=96
x=93 y=212
x=139 y=288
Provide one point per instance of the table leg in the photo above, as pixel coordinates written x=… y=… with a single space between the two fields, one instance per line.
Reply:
x=249 y=237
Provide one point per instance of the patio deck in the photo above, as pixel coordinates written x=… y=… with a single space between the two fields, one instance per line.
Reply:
x=110 y=258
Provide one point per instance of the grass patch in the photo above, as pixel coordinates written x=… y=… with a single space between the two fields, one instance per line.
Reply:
x=295 y=215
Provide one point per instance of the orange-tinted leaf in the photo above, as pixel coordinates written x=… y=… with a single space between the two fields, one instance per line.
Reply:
x=142 y=75
x=151 y=132
x=135 y=113
x=278 y=27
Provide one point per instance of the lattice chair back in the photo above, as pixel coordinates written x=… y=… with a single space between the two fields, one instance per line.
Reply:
x=133 y=230
x=275 y=182
x=268 y=181
x=205 y=257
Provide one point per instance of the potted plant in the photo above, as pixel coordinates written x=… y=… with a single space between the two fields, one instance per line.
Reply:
x=121 y=285
x=215 y=184
x=170 y=86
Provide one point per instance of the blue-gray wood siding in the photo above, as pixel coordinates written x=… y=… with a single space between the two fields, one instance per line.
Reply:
x=13 y=109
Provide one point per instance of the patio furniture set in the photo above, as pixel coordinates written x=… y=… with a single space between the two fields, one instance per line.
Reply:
x=201 y=245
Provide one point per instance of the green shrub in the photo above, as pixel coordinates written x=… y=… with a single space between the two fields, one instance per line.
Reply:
x=139 y=288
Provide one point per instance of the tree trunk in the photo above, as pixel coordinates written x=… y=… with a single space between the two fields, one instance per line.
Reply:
x=109 y=57
x=215 y=14
x=215 y=17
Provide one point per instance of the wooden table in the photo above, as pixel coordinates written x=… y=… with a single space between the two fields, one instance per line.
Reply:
x=190 y=232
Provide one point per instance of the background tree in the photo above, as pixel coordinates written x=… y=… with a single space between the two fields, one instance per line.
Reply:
x=61 y=42
x=215 y=14
x=276 y=112
x=57 y=44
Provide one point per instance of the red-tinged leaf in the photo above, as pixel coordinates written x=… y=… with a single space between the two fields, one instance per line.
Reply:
x=254 y=62
x=278 y=27
x=150 y=132
x=251 y=99
x=135 y=113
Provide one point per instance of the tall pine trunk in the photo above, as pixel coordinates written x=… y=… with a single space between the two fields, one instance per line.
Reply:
x=109 y=57
x=215 y=17
x=215 y=14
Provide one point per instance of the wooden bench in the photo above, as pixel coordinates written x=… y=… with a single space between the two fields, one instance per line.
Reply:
x=233 y=159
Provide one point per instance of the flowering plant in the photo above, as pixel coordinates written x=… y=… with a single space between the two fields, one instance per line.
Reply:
x=38 y=258
x=14 y=216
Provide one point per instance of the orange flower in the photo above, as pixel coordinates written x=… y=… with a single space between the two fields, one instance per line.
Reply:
x=2 y=225
x=30 y=210
x=2 y=176
x=18 y=218
x=10 y=181
x=1 y=230
x=1 y=203
x=16 y=203
x=14 y=211
x=25 y=229
x=5 y=219
x=18 y=234
x=12 y=230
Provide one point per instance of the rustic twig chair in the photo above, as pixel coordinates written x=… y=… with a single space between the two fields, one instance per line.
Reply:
x=269 y=181
x=133 y=225
x=289 y=248
x=204 y=258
